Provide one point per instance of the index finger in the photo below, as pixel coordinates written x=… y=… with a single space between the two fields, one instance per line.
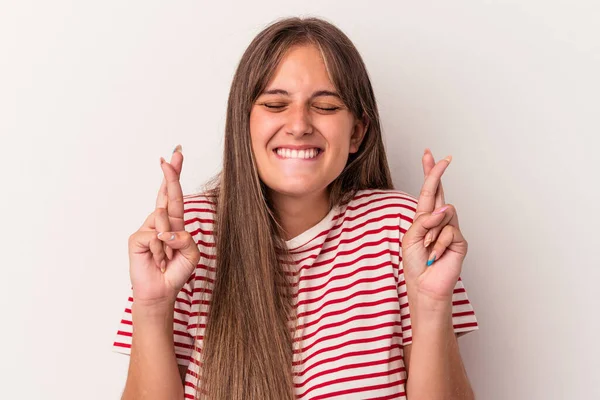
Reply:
x=176 y=162
x=426 y=202
x=428 y=164
x=174 y=196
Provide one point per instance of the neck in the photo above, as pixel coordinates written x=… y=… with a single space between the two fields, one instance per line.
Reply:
x=299 y=213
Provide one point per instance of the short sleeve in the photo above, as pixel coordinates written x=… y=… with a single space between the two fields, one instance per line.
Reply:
x=463 y=315
x=199 y=212
x=182 y=338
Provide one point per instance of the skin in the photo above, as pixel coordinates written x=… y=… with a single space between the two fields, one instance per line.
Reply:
x=298 y=117
x=433 y=362
x=298 y=189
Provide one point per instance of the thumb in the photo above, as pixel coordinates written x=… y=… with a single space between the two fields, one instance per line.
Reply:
x=184 y=242
x=421 y=225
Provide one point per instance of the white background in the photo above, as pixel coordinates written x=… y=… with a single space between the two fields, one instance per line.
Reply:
x=92 y=93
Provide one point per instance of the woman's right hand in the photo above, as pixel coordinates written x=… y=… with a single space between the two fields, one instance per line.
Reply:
x=160 y=266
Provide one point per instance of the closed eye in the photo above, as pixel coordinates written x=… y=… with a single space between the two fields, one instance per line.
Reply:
x=280 y=106
x=274 y=106
x=328 y=108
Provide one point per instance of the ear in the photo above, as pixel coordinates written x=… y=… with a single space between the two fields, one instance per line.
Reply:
x=361 y=126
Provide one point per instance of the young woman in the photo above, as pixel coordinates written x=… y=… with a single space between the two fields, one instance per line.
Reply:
x=300 y=272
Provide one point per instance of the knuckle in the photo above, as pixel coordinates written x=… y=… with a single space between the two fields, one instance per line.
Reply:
x=192 y=243
x=419 y=216
x=186 y=237
x=449 y=230
x=148 y=223
x=443 y=235
x=131 y=239
x=176 y=201
x=157 y=243
x=426 y=192
x=135 y=237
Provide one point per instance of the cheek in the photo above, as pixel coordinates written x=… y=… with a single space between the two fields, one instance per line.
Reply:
x=254 y=128
x=337 y=132
x=262 y=127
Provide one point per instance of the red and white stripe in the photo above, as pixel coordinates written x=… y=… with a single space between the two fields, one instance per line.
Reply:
x=352 y=307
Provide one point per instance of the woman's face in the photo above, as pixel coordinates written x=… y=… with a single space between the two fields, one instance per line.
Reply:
x=302 y=133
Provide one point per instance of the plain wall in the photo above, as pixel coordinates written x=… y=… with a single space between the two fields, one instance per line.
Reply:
x=93 y=93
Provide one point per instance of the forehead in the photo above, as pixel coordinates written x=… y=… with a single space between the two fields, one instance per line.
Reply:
x=301 y=69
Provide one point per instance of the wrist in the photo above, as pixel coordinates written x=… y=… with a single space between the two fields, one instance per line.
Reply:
x=428 y=323
x=156 y=311
x=425 y=308
x=426 y=301
x=157 y=303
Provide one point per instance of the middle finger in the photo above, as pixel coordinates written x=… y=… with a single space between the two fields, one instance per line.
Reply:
x=161 y=222
x=162 y=199
x=426 y=202
x=176 y=162
x=428 y=164
x=175 y=196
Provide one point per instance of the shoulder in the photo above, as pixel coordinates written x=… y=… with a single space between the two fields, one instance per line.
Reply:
x=381 y=205
x=199 y=212
x=378 y=210
x=198 y=205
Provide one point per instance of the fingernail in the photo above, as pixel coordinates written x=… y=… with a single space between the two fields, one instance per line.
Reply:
x=449 y=158
x=441 y=210
x=172 y=237
x=162 y=160
x=178 y=148
x=428 y=239
x=163 y=265
x=431 y=260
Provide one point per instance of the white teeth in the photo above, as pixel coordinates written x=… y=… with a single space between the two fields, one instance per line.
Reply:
x=301 y=154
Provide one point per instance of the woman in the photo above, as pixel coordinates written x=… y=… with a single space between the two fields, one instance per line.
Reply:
x=292 y=275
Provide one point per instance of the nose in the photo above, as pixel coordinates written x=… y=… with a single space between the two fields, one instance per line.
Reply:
x=299 y=121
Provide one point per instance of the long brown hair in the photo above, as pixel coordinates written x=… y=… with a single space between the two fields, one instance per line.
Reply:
x=247 y=351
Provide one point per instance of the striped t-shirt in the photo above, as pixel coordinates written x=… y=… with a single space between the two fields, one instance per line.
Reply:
x=352 y=307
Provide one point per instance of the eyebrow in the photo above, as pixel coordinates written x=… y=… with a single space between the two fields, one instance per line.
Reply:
x=318 y=93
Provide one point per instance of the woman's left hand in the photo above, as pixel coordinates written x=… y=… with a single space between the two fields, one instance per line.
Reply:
x=445 y=244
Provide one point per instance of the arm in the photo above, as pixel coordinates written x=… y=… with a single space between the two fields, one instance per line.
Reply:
x=153 y=371
x=433 y=362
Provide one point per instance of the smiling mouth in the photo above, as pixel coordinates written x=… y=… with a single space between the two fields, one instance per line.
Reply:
x=304 y=155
